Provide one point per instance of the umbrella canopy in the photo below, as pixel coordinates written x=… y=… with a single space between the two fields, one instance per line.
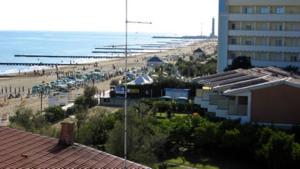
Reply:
x=142 y=80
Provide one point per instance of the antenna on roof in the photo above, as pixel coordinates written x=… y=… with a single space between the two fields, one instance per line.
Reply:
x=126 y=67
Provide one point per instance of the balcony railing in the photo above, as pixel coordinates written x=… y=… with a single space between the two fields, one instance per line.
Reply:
x=237 y=110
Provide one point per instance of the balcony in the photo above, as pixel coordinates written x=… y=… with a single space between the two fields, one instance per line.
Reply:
x=264 y=33
x=263 y=48
x=263 y=2
x=265 y=18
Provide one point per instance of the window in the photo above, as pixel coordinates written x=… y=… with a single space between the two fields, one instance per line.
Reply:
x=262 y=26
x=262 y=41
x=294 y=58
x=233 y=26
x=248 y=27
x=276 y=57
x=243 y=100
x=233 y=41
x=232 y=55
x=264 y=10
x=280 y=10
x=248 y=10
x=278 y=42
x=280 y=27
x=261 y=56
x=248 y=42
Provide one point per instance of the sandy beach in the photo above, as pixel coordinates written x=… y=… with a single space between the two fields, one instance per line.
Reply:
x=22 y=81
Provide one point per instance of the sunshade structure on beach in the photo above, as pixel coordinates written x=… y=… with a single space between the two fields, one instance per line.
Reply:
x=155 y=61
x=141 y=80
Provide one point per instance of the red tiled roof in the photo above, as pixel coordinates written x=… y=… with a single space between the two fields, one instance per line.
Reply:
x=19 y=149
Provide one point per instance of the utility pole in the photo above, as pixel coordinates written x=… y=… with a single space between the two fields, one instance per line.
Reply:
x=201 y=29
x=125 y=72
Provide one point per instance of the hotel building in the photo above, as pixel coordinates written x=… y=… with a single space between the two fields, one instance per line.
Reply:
x=267 y=31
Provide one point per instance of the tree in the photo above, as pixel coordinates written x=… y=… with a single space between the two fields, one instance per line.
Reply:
x=144 y=138
x=275 y=148
x=89 y=93
x=241 y=62
x=94 y=131
x=54 y=114
x=292 y=69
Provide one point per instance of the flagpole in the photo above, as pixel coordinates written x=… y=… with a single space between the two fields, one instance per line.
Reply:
x=125 y=101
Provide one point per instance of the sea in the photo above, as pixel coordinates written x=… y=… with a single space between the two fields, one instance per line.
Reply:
x=63 y=43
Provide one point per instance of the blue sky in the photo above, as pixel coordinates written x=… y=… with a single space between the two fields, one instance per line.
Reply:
x=179 y=17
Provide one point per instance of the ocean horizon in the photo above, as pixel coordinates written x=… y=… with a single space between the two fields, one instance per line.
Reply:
x=61 y=43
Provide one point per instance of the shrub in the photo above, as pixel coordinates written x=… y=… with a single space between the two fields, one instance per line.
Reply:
x=296 y=152
x=54 y=114
x=25 y=119
x=87 y=100
x=22 y=119
x=275 y=148
x=114 y=82
x=162 y=106
x=231 y=139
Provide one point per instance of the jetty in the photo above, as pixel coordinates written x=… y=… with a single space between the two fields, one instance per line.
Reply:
x=118 y=52
x=142 y=49
x=38 y=64
x=74 y=56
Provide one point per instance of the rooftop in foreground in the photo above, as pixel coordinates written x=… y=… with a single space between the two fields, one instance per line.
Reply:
x=19 y=149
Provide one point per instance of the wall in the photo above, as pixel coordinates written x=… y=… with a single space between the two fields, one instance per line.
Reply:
x=277 y=104
x=223 y=36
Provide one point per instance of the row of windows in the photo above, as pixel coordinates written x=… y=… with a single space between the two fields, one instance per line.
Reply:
x=264 y=9
x=265 y=26
x=264 y=41
x=267 y=56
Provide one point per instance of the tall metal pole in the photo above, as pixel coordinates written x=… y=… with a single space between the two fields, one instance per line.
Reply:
x=125 y=101
x=41 y=93
x=126 y=69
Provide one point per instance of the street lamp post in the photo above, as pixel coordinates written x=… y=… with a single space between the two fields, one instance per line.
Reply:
x=126 y=69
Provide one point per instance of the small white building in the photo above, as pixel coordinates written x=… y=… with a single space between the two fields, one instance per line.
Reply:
x=198 y=53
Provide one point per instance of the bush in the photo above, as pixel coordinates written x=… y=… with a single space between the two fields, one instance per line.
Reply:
x=231 y=139
x=25 y=119
x=87 y=100
x=114 y=82
x=162 y=106
x=206 y=135
x=22 y=119
x=275 y=148
x=296 y=152
x=54 y=114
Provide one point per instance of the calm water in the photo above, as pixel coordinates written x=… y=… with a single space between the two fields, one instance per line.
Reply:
x=58 y=43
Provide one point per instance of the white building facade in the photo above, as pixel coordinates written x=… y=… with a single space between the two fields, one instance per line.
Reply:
x=267 y=31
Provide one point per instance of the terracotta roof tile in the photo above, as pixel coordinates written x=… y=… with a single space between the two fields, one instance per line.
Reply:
x=19 y=149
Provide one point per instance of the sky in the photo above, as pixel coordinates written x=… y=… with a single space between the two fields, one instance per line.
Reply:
x=175 y=17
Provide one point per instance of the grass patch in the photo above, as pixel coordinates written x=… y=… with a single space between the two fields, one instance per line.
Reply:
x=163 y=115
x=180 y=163
x=207 y=163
